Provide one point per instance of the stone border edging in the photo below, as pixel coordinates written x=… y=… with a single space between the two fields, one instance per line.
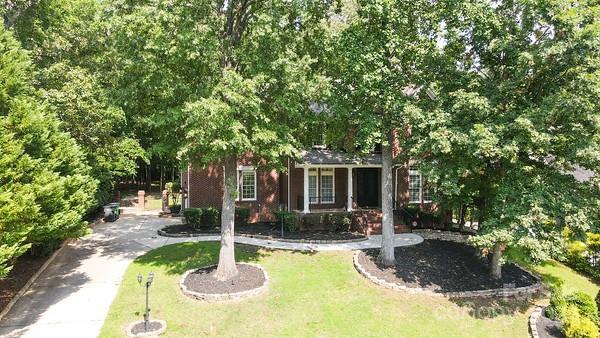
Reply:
x=533 y=318
x=154 y=333
x=305 y=241
x=443 y=235
x=33 y=278
x=523 y=290
x=223 y=297
x=162 y=233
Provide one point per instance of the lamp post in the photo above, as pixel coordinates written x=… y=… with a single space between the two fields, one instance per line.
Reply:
x=149 y=280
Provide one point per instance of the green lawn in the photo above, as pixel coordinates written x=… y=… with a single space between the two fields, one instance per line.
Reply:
x=310 y=295
x=555 y=273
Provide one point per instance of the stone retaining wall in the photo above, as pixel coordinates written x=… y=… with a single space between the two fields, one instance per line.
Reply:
x=533 y=318
x=223 y=297
x=442 y=235
x=502 y=292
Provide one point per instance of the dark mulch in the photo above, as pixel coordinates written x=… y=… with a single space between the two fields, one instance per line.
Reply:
x=202 y=280
x=274 y=231
x=152 y=326
x=271 y=231
x=548 y=328
x=24 y=268
x=442 y=266
x=186 y=229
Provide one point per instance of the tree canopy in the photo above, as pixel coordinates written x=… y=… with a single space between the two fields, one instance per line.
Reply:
x=516 y=87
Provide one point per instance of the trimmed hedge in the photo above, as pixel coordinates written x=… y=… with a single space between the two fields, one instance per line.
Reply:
x=193 y=217
x=242 y=215
x=210 y=217
x=289 y=219
x=576 y=325
x=339 y=221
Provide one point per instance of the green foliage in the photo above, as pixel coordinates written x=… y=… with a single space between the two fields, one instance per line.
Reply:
x=507 y=112
x=314 y=220
x=557 y=303
x=66 y=42
x=210 y=217
x=339 y=221
x=576 y=325
x=289 y=218
x=584 y=256
x=584 y=303
x=193 y=217
x=242 y=215
x=45 y=185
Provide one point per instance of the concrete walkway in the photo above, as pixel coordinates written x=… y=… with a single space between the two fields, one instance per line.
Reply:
x=72 y=297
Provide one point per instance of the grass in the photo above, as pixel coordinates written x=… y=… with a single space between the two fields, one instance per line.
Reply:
x=557 y=274
x=314 y=295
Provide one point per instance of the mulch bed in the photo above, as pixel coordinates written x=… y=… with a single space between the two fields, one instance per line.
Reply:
x=442 y=266
x=202 y=280
x=548 y=328
x=263 y=230
x=25 y=267
x=152 y=326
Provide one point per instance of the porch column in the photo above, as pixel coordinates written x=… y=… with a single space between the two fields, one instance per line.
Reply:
x=306 y=199
x=349 y=193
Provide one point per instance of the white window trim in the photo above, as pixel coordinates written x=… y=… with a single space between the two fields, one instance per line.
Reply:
x=241 y=183
x=314 y=173
x=421 y=187
x=332 y=185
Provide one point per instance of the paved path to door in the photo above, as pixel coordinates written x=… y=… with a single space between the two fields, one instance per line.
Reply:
x=72 y=296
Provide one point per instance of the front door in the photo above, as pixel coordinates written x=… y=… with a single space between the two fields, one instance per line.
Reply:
x=367 y=187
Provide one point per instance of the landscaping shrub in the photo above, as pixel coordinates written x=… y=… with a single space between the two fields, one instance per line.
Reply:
x=584 y=303
x=175 y=209
x=576 y=325
x=583 y=256
x=598 y=302
x=193 y=217
x=312 y=220
x=557 y=304
x=409 y=214
x=289 y=219
x=339 y=221
x=210 y=217
x=242 y=215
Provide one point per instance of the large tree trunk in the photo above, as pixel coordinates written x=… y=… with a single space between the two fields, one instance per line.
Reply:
x=495 y=266
x=386 y=255
x=226 y=268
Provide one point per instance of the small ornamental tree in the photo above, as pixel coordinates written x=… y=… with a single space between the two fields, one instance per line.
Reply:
x=263 y=85
x=513 y=113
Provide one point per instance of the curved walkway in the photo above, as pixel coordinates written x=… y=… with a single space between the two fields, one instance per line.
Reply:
x=72 y=296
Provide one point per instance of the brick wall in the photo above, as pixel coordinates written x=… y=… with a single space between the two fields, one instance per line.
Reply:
x=206 y=190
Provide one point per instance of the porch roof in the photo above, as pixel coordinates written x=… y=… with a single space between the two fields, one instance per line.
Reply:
x=328 y=157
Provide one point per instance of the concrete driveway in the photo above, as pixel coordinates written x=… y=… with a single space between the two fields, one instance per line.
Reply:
x=71 y=298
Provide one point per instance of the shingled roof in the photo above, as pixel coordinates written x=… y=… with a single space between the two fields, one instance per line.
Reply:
x=328 y=157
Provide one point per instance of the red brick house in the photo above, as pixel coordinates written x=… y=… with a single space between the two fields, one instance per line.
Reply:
x=323 y=181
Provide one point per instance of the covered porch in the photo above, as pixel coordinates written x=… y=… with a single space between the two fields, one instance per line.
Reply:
x=330 y=181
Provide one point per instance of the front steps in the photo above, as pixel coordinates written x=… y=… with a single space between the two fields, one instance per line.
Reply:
x=368 y=221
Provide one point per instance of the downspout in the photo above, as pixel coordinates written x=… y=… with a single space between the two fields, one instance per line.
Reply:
x=188 y=186
x=396 y=189
x=289 y=193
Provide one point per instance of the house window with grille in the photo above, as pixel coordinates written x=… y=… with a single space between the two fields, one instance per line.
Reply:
x=313 y=186
x=414 y=185
x=418 y=189
x=248 y=185
x=327 y=186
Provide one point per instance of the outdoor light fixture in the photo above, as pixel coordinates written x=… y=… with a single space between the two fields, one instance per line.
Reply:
x=149 y=281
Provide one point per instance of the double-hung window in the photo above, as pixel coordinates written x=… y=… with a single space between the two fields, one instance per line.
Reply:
x=327 y=186
x=248 y=185
x=313 y=186
x=418 y=190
